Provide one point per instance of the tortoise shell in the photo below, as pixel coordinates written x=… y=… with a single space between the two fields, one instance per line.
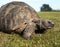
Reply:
x=16 y=16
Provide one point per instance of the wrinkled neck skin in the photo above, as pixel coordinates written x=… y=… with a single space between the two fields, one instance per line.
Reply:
x=40 y=28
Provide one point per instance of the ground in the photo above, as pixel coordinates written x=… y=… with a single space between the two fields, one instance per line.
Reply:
x=49 y=39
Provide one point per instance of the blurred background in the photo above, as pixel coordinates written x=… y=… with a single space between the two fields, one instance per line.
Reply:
x=38 y=5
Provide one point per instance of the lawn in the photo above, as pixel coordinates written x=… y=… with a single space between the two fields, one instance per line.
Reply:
x=49 y=39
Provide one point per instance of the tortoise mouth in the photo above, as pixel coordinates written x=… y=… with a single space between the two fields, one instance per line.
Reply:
x=51 y=26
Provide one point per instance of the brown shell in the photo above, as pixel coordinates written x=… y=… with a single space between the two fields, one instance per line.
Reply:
x=15 y=15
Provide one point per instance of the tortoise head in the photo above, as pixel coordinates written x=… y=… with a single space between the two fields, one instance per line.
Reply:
x=43 y=25
x=46 y=23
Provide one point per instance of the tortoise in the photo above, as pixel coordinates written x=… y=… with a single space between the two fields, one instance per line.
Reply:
x=19 y=17
x=45 y=24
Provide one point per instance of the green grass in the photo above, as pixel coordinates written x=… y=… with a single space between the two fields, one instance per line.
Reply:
x=50 y=39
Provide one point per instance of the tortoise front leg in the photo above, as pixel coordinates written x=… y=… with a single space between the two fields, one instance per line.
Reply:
x=29 y=30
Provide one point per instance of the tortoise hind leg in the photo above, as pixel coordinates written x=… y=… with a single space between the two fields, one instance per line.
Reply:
x=29 y=30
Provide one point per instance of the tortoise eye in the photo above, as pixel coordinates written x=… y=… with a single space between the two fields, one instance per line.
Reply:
x=49 y=22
